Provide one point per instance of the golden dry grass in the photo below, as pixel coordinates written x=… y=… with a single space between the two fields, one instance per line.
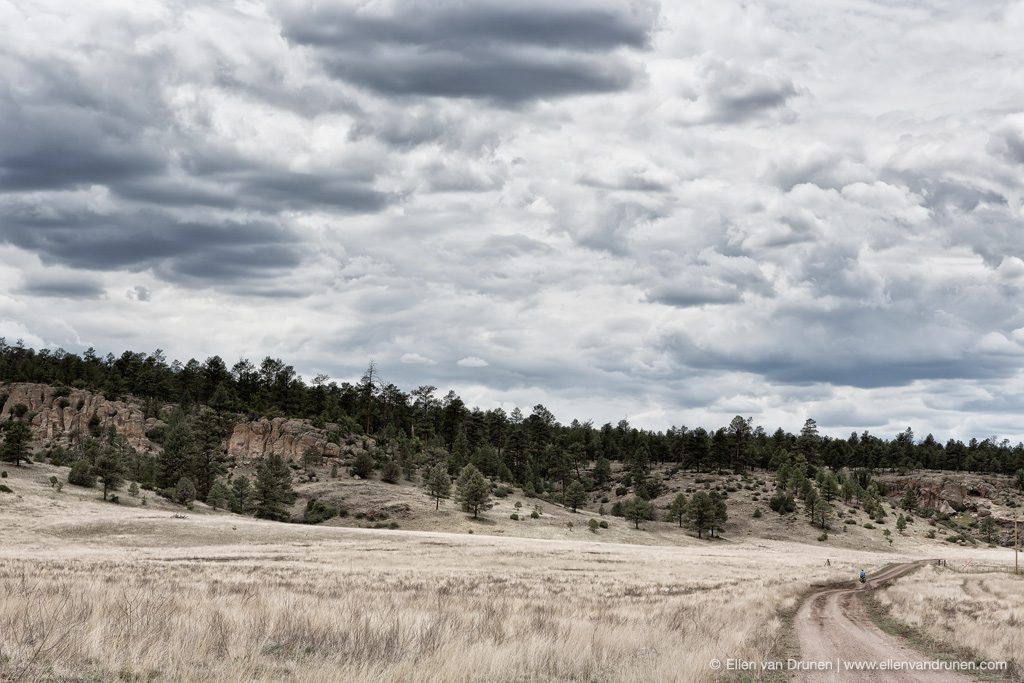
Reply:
x=968 y=606
x=97 y=592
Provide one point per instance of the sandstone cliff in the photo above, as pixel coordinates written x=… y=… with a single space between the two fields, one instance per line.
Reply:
x=56 y=419
x=252 y=440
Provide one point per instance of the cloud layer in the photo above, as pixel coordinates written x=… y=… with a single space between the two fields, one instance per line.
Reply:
x=672 y=212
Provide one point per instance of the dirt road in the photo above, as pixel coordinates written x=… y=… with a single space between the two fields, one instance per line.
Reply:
x=833 y=626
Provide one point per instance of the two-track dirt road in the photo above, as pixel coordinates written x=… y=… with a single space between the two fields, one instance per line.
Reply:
x=833 y=626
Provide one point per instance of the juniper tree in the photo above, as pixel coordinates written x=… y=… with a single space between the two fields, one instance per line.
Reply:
x=185 y=491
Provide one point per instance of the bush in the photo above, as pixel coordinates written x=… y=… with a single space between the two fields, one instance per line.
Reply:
x=114 y=499
x=3 y=475
x=757 y=513
x=4 y=488
x=869 y=525
x=617 y=509
x=931 y=533
x=535 y=515
x=621 y=491
x=593 y=525
x=603 y=524
x=317 y=512
x=782 y=503
x=850 y=521
x=81 y=474
x=823 y=537
x=514 y=516
x=185 y=491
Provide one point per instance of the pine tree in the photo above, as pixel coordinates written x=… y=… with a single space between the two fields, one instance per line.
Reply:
x=109 y=469
x=438 y=484
x=602 y=471
x=241 y=495
x=637 y=510
x=273 y=492
x=901 y=523
x=575 y=495
x=218 y=496
x=473 y=490
x=719 y=513
x=363 y=465
x=700 y=512
x=17 y=438
x=678 y=508
x=180 y=450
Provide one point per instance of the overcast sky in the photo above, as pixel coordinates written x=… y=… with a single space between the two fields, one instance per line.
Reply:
x=673 y=212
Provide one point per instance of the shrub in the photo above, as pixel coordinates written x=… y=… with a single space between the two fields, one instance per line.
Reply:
x=535 y=514
x=757 y=513
x=4 y=488
x=617 y=509
x=621 y=491
x=81 y=474
x=823 y=537
x=317 y=512
x=114 y=499
x=869 y=525
x=185 y=491
x=931 y=533
x=850 y=521
x=3 y=475
x=334 y=471
x=133 y=490
x=593 y=525
x=514 y=516
x=603 y=524
x=782 y=503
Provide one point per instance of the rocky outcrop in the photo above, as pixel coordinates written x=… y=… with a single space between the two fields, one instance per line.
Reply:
x=947 y=493
x=290 y=439
x=58 y=416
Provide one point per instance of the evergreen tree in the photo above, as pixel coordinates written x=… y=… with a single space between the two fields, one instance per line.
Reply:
x=180 y=450
x=109 y=469
x=17 y=439
x=637 y=510
x=81 y=474
x=602 y=471
x=988 y=528
x=678 y=508
x=575 y=495
x=185 y=491
x=241 y=495
x=909 y=500
x=901 y=523
x=473 y=490
x=821 y=512
x=273 y=492
x=438 y=484
x=218 y=496
x=719 y=512
x=700 y=512
x=363 y=465
x=391 y=471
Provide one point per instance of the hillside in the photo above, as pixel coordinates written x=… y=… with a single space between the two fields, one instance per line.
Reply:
x=950 y=507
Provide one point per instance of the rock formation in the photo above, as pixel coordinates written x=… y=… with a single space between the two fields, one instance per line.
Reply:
x=56 y=418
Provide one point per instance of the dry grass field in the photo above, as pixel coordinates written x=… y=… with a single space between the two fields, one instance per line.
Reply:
x=91 y=591
x=978 y=609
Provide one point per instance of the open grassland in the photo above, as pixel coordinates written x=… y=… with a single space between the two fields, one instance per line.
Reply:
x=977 y=609
x=91 y=591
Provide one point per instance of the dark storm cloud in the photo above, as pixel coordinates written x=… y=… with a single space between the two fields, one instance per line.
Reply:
x=508 y=52
x=62 y=287
x=190 y=252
